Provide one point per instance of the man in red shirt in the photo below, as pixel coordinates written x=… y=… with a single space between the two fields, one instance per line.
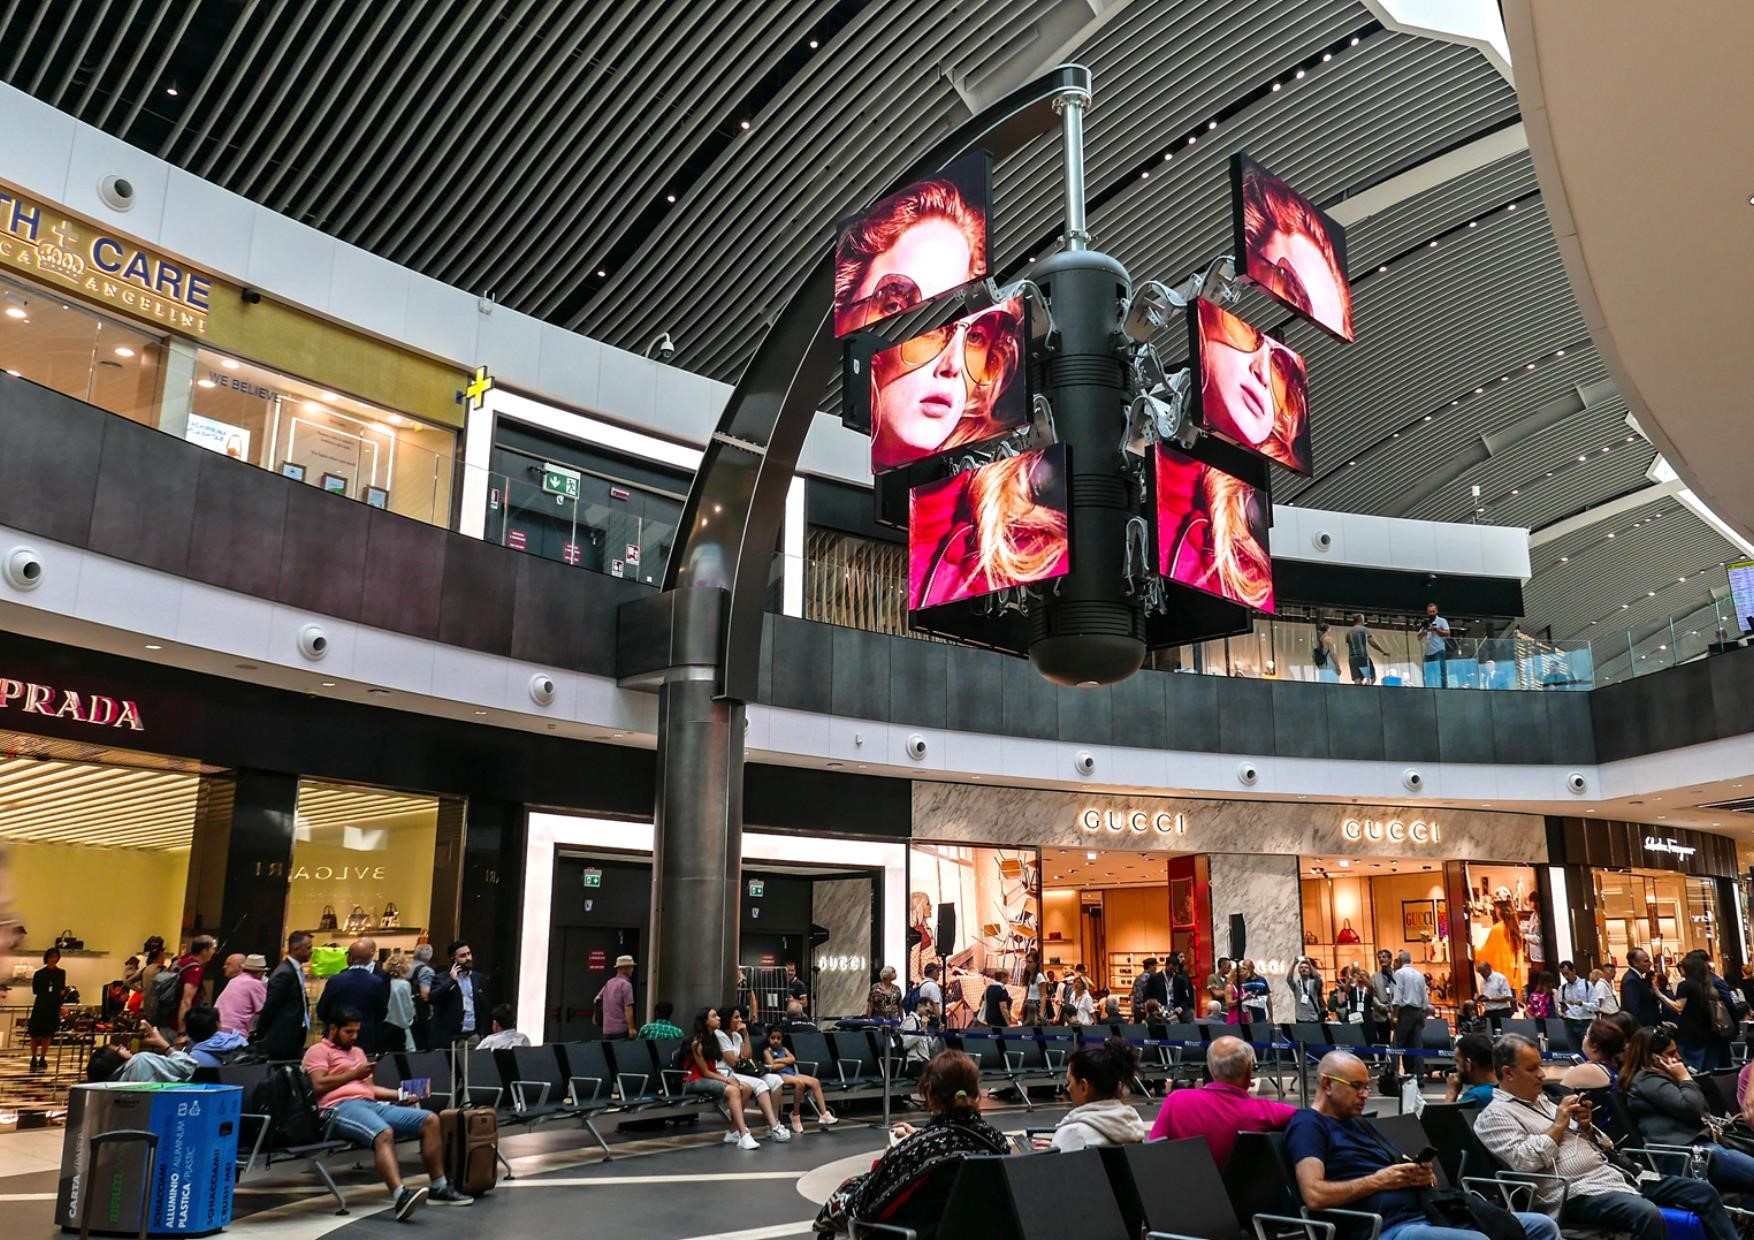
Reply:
x=1218 y=1111
x=192 y=969
x=369 y=1115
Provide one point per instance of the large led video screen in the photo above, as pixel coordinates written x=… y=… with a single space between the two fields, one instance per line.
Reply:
x=956 y=385
x=1212 y=530
x=927 y=239
x=1254 y=391
x=1291 y=248
x=986 y=529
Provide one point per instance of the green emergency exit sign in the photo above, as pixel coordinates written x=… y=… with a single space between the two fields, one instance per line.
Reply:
x=559 y=480
x=593 y=877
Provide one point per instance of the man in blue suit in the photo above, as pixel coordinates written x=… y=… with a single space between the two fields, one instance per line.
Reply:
x=1638 y=989
x=361 y=987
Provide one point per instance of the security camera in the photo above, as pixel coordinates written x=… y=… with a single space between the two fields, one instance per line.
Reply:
x=663 y=348
x=916 y=747
x=1248 y=773
x=1412 y=780
x=313 y=642
x=542 y=689
x=116 y=191
x=1085 y=762
x=251 y=296
x=1576 y=784
x=23 y=569
x=1322 y=541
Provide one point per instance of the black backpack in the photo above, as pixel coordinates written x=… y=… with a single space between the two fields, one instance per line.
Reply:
x=1318 y=654
x=165 y=997
x=286 y=1098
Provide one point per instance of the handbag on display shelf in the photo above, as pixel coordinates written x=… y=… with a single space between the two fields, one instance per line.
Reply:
x=327 y=920
x=392 y=919
x=1347 y=934
x=358 y=921
x=66 y=942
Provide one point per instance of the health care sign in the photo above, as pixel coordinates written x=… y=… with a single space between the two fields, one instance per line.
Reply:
x=45 y=241
x=52 y=703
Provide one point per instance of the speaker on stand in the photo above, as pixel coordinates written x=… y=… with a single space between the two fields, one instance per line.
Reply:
x=1239 y=937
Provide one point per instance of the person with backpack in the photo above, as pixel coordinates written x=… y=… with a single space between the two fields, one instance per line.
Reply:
x=1360 y=641
x=1325 y=655
x=177 y=989
x=373 y=1116
x=1702 y=1019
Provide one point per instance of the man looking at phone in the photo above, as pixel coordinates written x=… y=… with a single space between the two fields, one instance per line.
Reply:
x=372 y=1116
x=1529 y=1133
x=1341 y=1162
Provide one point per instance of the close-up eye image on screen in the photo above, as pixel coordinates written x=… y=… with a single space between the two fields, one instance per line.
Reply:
x=1291 y=248
x=956 y=385
x=927 y=239
x=986 y=529
x=1212 y=530
x=1254 y=390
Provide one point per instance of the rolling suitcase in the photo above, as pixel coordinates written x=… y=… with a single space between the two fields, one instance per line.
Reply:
x=469 y=1136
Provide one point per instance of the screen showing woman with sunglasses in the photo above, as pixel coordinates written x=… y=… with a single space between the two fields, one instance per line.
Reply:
x=950 y=387
x=1292 y=249
x=1254 y=390
x=917 y=244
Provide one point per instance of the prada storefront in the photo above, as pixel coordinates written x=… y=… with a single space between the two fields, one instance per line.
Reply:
x=995 y=874
x=1639 y=884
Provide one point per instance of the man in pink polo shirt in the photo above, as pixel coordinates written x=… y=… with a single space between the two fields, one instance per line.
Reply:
x=1220 y=1110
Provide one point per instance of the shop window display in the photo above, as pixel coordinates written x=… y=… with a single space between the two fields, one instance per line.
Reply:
x=973 y=911
x=321 y=438
x=1354 y=908
x=1504 y=922
x=56 y=342
x=1667 y=914
x=363 y=865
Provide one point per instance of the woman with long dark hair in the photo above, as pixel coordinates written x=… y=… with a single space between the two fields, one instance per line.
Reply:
x=1096 y=1081
x=1670 y=1109
x=1692 y=1005
x=909 y=1186
x=704 y=1072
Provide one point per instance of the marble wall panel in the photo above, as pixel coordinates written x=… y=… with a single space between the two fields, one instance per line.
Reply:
x=842 y=906
x=1265 y=890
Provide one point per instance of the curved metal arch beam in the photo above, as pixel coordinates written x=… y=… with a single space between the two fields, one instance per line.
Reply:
x=736 y=504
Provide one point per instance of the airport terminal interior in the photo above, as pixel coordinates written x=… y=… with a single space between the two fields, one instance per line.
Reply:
x=876 y=618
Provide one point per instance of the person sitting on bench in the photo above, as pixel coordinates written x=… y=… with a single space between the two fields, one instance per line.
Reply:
x=369 y=1115
x=1527 y=1132
x=1225 y=1106
x=1473 y=1080
x=1096 y=1081
x=1342 y=1162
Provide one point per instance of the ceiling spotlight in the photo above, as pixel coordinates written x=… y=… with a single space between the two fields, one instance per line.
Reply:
x=1090 y=856
x=15 y=306
x=814 y=44
x=1581 y=460
x=123 y=350
x=154 y=646
x=1433 y=244
x=601 y=274
x=1473 y=223
x=1145 y=176
x=1276 y=87
x=1610 y=532
x=1168 y=155
x=205 y=383
x=1477 y=511
x=1350 y=464
x=1511 y=207
x=1478 y=390
x=171 y=88
x=671 y=198
x=1191 y=139
x=228 y=363
x=1326 y=57
x=1680 y=579
x=328 y=684
x=1650 y=593
x=1630 y=438
x=1300 y=75
x=1561 y=353
x=744 y=124
x=1514 y=491
x=1565 y=559
x=1354 y=40
x=1211 y=125
x=1383 y=270
x=1504 y=378
x=1529 y=366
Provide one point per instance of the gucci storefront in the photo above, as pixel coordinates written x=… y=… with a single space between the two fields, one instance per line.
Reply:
x=995 y=874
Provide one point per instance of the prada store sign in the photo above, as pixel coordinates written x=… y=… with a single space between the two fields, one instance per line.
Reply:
x=1616 y=845
x=980 y=814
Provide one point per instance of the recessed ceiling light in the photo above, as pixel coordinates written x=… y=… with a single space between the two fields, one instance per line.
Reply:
x=1384 y=268
x=1529 y=366
x=330 y=396
x=1168 y=155
x=16 y=312
x=1300 y=75
x=1145 y=176
x=123 y=350
x=480 y=712
x=1432 y=243
x=601 y=274
x=745 y=125
x=205 y=383
x=1479 y=390
x=1275 y=86
x=1090 y=856
x=1354 y=40
x=1511 y=207
x=1192 y=139
x=154 y=646
x=1473 y=223
x=15 y=374
x=328 y=684
x=1326 y=57
x=1211 y=124
x=228 y=363
x=670 y=198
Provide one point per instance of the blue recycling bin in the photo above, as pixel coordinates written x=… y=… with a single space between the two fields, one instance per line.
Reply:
x=193 y=1171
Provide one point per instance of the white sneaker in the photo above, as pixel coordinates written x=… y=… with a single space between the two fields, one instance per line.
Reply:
x=747 y=1142
x=827 y=1119
x=732 y=1137
x=781 y=1133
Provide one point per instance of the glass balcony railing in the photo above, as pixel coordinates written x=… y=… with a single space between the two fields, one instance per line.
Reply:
x=1710 y=628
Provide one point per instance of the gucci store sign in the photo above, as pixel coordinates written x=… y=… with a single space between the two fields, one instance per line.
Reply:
x=965 y=814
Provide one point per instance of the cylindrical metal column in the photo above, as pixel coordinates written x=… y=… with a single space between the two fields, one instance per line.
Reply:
x=697 y=846
x=1071 y=106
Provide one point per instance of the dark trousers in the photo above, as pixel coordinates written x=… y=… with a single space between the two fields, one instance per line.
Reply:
x=1636 y=1214
x=1409 y=1035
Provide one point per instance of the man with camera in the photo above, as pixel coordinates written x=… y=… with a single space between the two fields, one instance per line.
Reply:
x=1559 y=1141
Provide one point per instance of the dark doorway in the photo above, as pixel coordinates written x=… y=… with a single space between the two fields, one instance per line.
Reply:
x=580 y=961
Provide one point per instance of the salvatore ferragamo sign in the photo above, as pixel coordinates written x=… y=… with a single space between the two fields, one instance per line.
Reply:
x=50 y=702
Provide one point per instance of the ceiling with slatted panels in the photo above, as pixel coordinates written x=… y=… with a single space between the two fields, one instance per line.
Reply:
x=627 y=170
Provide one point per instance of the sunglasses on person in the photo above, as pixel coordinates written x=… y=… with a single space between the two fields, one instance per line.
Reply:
x=893 y=294
x=1291 y=286
x=1245 y=337
x=989 y=346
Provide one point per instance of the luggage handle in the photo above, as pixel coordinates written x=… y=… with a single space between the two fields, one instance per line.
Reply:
x=118 y=1137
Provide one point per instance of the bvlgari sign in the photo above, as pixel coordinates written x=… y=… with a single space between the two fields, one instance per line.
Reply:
x=81 y=707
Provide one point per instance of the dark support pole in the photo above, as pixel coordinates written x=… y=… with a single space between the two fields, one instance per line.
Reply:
x=697 y=846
